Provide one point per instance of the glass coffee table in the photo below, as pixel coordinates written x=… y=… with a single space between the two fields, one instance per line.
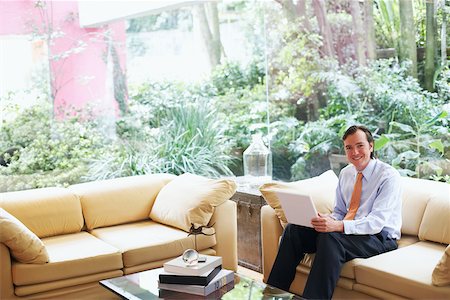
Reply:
x=144 y=285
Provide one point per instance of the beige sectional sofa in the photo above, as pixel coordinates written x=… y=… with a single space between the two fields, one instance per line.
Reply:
x=399 y=274
x=98 y=230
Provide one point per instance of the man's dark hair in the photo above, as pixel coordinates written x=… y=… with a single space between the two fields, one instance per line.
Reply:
x=353 y=129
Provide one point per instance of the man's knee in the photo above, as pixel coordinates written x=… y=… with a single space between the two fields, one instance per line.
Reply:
x=292 y=229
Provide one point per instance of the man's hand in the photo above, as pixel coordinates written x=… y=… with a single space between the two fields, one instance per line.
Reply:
x=325 y=223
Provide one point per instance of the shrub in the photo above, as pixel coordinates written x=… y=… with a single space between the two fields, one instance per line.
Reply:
x=51 y=152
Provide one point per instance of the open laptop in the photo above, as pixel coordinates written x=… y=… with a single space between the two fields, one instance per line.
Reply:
x=299 y=209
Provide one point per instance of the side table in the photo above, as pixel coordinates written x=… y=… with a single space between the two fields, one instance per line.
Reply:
x=249 y=202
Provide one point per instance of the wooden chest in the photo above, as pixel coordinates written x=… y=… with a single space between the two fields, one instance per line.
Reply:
x=249 y=202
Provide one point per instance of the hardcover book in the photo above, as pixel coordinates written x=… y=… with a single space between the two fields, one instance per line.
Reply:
x=203 y=279
x=178 y=266
x=222 y=279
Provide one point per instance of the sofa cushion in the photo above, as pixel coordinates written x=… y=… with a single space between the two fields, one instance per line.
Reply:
x=24 y=245
x=441 y=273
x=46 y=212
x=70 y=255
x=321 y=188
x=407 y=240
x=348 y=269
x=148 y=241
x=405 y=272
x=190 y=199
x=435 y=225
x=416 y=194
x=119 y=200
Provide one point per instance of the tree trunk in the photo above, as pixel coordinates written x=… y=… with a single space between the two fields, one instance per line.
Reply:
x=370 y=30
x=444 y=36
x=321 y=15
x=212 y=48
x=407 y=45
x=358 y=33
x=288 y=8
x=301 y=12
x=430 y=46
x=213 y=20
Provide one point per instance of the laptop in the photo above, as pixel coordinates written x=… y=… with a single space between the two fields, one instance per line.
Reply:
x=299 y=209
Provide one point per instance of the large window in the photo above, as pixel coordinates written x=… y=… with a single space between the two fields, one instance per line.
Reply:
x=182 y=86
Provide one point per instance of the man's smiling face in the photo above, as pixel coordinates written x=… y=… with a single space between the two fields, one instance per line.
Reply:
x=358 y=149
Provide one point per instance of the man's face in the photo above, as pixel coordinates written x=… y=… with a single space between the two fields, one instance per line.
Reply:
x=358 y=150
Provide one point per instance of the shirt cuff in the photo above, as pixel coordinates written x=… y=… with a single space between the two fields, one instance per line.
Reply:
x=349 y=226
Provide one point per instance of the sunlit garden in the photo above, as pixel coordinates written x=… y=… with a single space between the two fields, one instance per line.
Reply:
x=298 y=72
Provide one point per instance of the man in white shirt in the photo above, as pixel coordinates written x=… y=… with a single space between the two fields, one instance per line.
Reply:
x=366 y=221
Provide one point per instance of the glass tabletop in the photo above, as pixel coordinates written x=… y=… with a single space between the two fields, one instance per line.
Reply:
x=144 y=286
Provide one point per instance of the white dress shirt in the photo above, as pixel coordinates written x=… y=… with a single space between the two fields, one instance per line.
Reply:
x=381 y=200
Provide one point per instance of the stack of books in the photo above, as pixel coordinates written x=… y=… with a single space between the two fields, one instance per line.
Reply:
x=200 y=279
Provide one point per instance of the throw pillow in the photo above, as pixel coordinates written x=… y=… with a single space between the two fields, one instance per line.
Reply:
x=322 y=190
x=24 y=245
x=190 y=199
x=441 y=273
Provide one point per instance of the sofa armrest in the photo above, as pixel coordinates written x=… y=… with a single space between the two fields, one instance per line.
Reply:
x=6 y=284
x=271 y=230
x=225 y=225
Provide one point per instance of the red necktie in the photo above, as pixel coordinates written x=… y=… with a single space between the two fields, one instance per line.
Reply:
x=356 y=197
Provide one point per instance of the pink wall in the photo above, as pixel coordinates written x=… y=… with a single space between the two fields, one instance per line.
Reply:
x=80 y=78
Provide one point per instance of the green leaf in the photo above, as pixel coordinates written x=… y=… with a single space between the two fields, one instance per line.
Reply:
x=437 y=169
x=406 y=172
x=410 y=155
x=381 y=142
x=440 y=115
x=404 y=127
x=407 y=155
x=438 y=145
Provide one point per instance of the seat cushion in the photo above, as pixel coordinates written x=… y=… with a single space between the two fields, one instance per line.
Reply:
x=119 y=200
x=348 y=269
x=190 y=199
x=322 y=190
x=148 y=241
x=71 y=255
x=24 y=245
x=406 y=271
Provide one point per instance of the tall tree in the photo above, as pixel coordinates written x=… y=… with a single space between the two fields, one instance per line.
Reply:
x=407 y=43
x=370 y=30
x=430 y=46
x=288 y=8
x=321 y=15
x=294 y=11
x=209 y=30
x=301 y=12
x=444 y=36
x=358 y=33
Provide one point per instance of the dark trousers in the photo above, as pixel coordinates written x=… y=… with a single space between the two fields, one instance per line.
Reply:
x=332 y=250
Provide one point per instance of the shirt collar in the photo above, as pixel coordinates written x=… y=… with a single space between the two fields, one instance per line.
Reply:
x=368 y=170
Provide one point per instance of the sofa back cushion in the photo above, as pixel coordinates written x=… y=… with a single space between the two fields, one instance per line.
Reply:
x=322 y=190
x=435 y=225
x=416 y=194
x=46 y=212
x=120 y=200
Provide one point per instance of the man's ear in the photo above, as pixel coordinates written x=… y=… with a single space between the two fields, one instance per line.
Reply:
x=371 y=146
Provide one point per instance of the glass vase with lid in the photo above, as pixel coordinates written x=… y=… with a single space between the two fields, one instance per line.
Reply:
x=257 y=160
